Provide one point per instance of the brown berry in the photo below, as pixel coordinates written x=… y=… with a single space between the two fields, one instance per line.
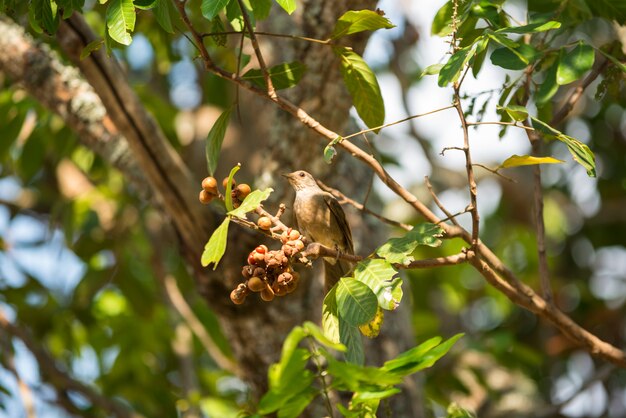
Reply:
x=284 y=237
x=256 y=284
x=294 y=235
x=210 y=185
x=258 y=258
x=288 y=250
x=264 y=223
x=246 y=271
x=298 y=244
x=261 y=249
x=225 y=182
x=243 y=190
x=237 y=297
x=205 y=197
x=279 y=290
x=251 y=259
x=267 y=294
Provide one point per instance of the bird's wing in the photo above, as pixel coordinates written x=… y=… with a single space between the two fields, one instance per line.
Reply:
x=340 y=218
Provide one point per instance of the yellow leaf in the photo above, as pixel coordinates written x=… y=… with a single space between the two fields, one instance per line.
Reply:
x=372 y=329
x=519 y=160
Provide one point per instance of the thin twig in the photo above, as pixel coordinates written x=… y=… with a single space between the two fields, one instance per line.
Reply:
x=271 y=92
x=513 y=124
x=397 y=122
x=440 y=205
x=495 y=171
x=275 y=35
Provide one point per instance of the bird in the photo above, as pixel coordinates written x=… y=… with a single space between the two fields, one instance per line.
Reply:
x=321 y=219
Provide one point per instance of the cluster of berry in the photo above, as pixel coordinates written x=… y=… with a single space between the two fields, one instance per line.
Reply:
x=209 y=191
x=269 y=272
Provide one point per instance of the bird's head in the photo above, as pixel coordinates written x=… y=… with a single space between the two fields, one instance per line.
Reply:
x=300 y=180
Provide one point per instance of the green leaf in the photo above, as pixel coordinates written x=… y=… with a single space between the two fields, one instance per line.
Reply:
x=451 y=70
x=46 y=17
x=330 y=317
x=614 y=60
x=354 y=21
x=162 y=12
x=290 y=344
x=581 y=153
x=532 y=28
x=330 y=151
x=120 y=18
x=420 y=357
x=289 y=380
x=145 y=4
x=215 y=248
x=399 y=250
x=549 y=86
x=431 y=70
x=283 y=76
x=354 y=377
x=378 y=275
x=288 y=5
x=350 y=336
x=315 y=332
x=356 y=303
x=455 y=411
x=69 y=6
x=251 y=202
x=574 y=64
x=520 y=160
x=211 y=8
x=369 y=396
x=516 y=112
x=363 y=87
x=91 y=47
x=261 y=8
x=514 y=59
x=372 y=328
x=228 y=198
x=442 y=22
x=214 y=140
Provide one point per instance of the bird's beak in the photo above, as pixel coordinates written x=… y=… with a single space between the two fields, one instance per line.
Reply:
x=286 y=175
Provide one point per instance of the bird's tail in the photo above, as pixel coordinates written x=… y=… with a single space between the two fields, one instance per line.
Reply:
x=333 y=271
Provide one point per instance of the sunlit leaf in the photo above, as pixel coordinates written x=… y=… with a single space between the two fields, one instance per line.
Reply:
x=581 y=153
x=228 y=197
x=330 y=317
x=451 y=71
x=372 y=328
x=215 y=248
x=399 y=250
x=46 y=17
x=356 y=303
x=350 y=336
x=120 y=18
x=210 y=8
x=420 y=357
x=520 y=160
x=214 y=140
x=575 y=63
x=379 y=276
x=91 y=47
x=321 y=338
x=516 y=112
x=288 y=5
x=251 y=202
x=162 y=12
x=362 y=86
x=354 y=21
x=532 y=27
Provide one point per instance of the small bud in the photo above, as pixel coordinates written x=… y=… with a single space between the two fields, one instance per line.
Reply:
x=205 y=197
x=264 y=223
x=210 y=185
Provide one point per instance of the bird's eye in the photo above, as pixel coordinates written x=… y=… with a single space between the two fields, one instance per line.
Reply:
x=301 y=174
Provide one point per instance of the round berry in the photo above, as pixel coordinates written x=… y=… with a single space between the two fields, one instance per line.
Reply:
x=251 y=259
x=237 y=297
x=261 y=249
x=256 y=284
x=267 y=294
x=210 y=185
x=225 y=182
x=243 y=190
x=294 y=235
x=298 y=244
x=205 y=197
x=264 y=223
